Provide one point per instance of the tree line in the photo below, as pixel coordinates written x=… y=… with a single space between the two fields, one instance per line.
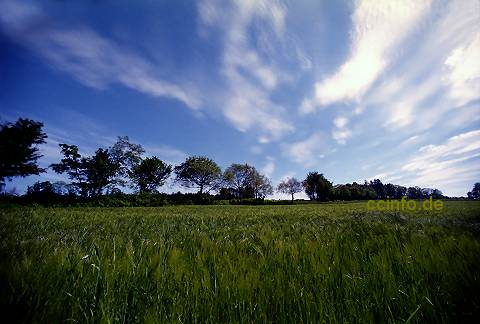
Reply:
x=124 y=165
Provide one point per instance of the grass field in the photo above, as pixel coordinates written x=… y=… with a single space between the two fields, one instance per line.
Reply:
x=289 y=264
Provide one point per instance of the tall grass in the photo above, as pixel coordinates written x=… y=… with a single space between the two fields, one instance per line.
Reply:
x=288 y=264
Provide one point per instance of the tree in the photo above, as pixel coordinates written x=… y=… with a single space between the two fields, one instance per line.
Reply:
x=102 y=171
x=18 y=149
x=379 y=188
x=262 y=186
x=126 y=154
x=317 y=187
x=290 y=186
x=149 y=174
x=105 y=170
x=47 y=193
x=390 y=190
x=414 y=193
x=198 y=172
x=91 y=175
x=241 y=178
x=475 y=193
x=45 y=187
x=246 y=182
x=342 y=192
x=226 y=193
x=400 y=192
x=429 y=192
x=72 y=164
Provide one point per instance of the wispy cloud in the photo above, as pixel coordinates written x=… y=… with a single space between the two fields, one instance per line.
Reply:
x=378 y=27
x=307 y=152
x=464 y=72
x=442 y=73
x=88 y=57
x=449 y=166
x=250 y=79
x=269 y=167
x=341 y=133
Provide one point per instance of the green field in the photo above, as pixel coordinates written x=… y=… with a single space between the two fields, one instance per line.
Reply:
x=216 y=264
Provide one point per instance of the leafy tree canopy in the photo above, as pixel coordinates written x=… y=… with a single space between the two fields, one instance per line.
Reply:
x=475 y=193
x=149 y=174
x=290 y=186
x=246 y=182
x=18 y=149
x=106 y=169
x=198 y=172
x=317 y=187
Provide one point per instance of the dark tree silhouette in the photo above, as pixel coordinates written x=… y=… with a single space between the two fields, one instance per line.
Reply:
x=246 y=181
x=400 y=191
x=239 y=177
x=475 y=193
x=18 y=149
x=414 y=193
x=290 y=186
x=149 y=174
x=126 y=154
x=390 y=190
x=102 y=171
x=342 y=192
x=379 y=188
x=47 y=193
x=261 y=185
x=106 y=169
x=91 y=175
x=429 y=192
x=317 y=187
x=199 y=172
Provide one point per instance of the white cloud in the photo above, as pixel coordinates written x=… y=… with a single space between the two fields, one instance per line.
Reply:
x=454 y=147
x=340 y=122
x=403 y=109
x=451 y=164
x=378 y=27
x=307 y=152
x=306 y=107
x=440 y=73
x=464 y=72
x=380 y=176
x=250 y=79
x=247 y=106
x=269 y=167
x=411 y=140
x=341 y=133
x=88 y=57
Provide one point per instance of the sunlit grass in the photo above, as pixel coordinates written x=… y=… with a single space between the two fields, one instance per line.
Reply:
x=301 y=263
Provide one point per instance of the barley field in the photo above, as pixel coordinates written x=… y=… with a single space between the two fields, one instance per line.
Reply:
x=305 y=263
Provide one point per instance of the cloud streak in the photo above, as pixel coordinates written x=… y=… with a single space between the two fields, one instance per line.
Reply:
x=91 y=59
x=249 y=79
x=378 y=27
x=446 y=166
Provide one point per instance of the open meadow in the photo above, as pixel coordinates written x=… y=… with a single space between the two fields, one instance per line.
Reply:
x=333 y=262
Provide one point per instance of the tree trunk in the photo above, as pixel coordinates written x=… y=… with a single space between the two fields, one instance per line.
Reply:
x=292 y=197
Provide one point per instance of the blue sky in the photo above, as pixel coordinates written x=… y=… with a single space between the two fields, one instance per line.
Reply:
x=353 y=89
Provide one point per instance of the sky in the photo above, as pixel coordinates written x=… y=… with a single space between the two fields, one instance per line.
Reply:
x=356 y=90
